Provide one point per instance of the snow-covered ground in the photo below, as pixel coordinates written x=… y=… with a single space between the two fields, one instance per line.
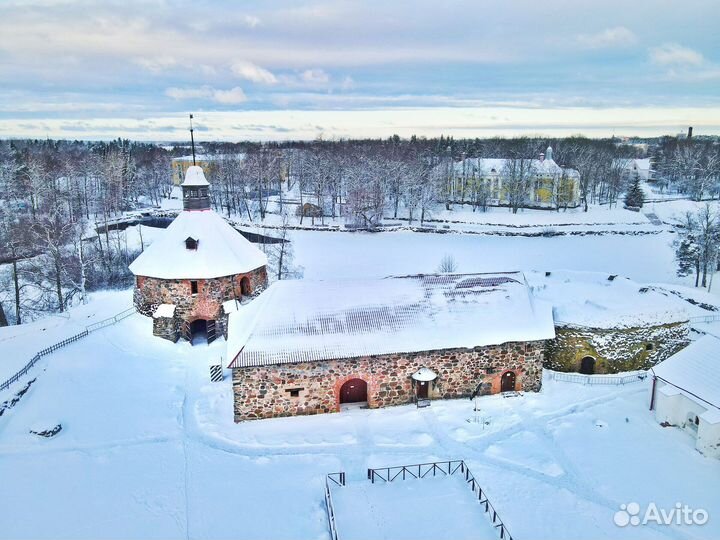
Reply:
x=331 y=255
x=448 y=507
x=149 y=450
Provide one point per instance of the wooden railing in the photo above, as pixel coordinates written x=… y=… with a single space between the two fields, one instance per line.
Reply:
x=93 y=327
x=339 y=479
x=446 y=468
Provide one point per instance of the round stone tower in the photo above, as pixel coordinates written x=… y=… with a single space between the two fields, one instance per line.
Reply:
x=198 y=264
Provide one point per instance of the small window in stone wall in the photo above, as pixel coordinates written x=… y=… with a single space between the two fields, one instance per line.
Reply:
x=193 y=287
x=294 y=392
x=649 y=347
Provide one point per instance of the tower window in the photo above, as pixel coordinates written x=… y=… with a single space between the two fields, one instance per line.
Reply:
x=194 y=287
x=191 y=243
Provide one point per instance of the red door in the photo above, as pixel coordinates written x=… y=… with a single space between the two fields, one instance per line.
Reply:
x=507 y=383
x=353 y=391
x=422 y=389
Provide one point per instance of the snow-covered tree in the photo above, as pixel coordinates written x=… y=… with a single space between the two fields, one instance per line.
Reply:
x=635 y=197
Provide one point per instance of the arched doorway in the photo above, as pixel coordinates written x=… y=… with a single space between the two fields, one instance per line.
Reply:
x=198 y=331
x=245 y=287
x=507 y=382
x=587 y=365
x=353 y=391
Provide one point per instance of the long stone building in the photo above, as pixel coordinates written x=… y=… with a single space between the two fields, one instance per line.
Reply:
x=198 y=263
x=308 y=347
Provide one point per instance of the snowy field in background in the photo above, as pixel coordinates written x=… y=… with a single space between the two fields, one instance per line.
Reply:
x=149 y=450
x=332 y=255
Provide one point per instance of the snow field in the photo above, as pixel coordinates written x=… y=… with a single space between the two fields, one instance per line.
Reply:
x=149 y=450
x=335 y=255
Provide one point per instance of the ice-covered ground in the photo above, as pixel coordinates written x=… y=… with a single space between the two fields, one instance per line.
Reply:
x=149 y=450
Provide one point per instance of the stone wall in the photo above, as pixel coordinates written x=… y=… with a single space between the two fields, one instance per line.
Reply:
x=265 y=391
x=615 y=349
x=206 y=304
x=166 y=328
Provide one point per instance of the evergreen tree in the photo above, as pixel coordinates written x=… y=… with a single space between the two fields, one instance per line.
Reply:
x=635 y=196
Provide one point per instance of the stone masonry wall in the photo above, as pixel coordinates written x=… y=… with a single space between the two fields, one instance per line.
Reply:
x=166 y=328
x=206 y=304
x=264 y=392
x=616 y=349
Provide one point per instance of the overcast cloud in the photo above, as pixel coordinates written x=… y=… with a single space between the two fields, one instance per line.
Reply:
x=278 y=70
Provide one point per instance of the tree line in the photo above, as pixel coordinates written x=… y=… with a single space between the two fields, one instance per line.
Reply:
x=58 y=199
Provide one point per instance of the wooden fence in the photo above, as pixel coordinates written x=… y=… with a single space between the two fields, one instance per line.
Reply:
x=421 y=470
x=339 y=479
x=92 y=328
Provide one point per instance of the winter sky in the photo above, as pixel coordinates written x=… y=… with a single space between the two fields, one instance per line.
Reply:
x=351 y=68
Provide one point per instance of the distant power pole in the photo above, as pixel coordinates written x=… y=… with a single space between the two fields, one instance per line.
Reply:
x=192 y=138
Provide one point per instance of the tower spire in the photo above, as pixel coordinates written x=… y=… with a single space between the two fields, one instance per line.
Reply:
x=192 y=139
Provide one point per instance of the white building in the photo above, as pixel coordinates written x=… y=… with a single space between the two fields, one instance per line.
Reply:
x=686 y=393
x=636 y=168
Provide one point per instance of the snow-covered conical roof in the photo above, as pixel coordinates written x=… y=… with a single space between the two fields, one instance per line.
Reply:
x=221 y=250
x=195 y=177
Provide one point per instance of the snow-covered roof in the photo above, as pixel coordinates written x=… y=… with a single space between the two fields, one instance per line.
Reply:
x=221 y=250
x=301 y=320
x=195 y=177
x=164 y=310
x=695 y=370
x=631 y=164
x=592 y=299
x=424 y=375
x=488 y=166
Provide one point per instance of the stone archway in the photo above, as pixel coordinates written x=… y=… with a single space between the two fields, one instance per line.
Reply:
x=245 y=289
x=587 y=365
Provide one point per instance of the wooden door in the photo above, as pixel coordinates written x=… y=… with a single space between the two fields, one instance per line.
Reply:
x=422 y=389
x=353 y=391
x=185 y=331
x=211 y=332
x=507 y=383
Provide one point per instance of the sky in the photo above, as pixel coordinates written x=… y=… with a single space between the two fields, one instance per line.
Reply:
x=278 y=70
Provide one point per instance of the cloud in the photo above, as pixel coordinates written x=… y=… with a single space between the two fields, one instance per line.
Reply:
x=675 y=55
x=253 y=73
x=229 y=97
x=251 y=20
x=224 y=97
x=156 y=64
x=315 y=76
x=619 y=36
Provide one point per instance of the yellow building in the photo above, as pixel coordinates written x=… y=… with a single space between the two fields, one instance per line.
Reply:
x=550 y=186
x=180 y=166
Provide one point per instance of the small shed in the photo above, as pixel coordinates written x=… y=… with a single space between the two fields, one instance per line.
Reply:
x=686 y=393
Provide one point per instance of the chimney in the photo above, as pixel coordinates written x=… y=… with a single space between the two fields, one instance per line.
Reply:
x=689 y=133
